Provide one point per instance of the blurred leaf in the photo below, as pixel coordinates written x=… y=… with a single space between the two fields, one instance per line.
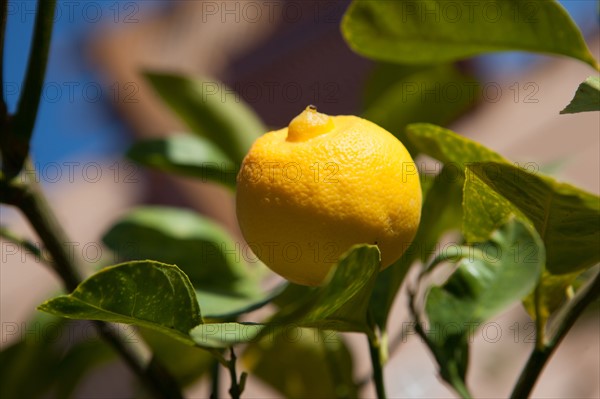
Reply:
x=39 y=364
x=552 y=293
x=341 y=304
x=303 y=363
x=453 y=150
x=223 y=335
x=31 y=356
x=587 y=97
x=182 y=362
x=77 y=363
x=198 y=246
x=227 y=307
x=566 y=217
x=143 y=293
x=186 y=155
x=435 y=95
x=489 y=277
x=212 y=110
x=442 y=212
x=383 y=76
x=435 y=31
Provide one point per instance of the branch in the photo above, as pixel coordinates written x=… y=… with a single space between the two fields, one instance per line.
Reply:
x=376 y=358
x=33 y=205
x=542 y=353
x=236 y=388
x=15 y=145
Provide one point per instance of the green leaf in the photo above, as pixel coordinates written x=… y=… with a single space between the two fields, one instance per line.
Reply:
x=436 y=31
x=341 y=304
x=484 y=211
x=224 y=335
x=16 y=136
x=490 y=276
x=553 y=291
x=211 y=110
x=587 y=97
x=303 y=363
x=198 y=246
x=77 y=363
x=185 y=364
x=434 y=95
x=566 y=217
x=442 y=212
x=493 y=275
x=32 y=355
x=186 y=155
x=453 y=150
x=143 y=293
x=40 y=353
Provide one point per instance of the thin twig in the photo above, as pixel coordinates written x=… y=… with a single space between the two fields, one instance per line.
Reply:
x=15 y=148
x=24 y=244
x=540 y=355
x=33 y=205
x=234 y=390
x=376 y=360
x=215 y=371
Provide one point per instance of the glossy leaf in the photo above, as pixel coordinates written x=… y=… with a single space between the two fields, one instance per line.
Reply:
x=490 y=276
x=341 y=304
x=143 y=293
x=587 y=97
x=211 y=110
x=435 y=31
x=566 y=217
x=303 y=363
x=454 y=150
x=434 y=95
x=198 y=246
x=484 y=211
x=186 y=155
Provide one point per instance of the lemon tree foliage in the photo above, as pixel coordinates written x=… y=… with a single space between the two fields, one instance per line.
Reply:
x=526 y=236
x=408 y=32
x=567 y=218
x=56 y=368
x=313 y=355
x=489 y=277
x=224 y=283
x=393 y=87
x=185 y=363
x=186 y=155
x=144 y=293
x=587 y=97
x=341 y=304
x=210 y=109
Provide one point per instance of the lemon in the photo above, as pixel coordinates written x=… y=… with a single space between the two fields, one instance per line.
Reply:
x=308 y=192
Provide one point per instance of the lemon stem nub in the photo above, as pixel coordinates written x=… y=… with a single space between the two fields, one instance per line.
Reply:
x=309 y=124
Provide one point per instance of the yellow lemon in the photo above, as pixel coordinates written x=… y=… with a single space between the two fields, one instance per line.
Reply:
x=308 y=192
